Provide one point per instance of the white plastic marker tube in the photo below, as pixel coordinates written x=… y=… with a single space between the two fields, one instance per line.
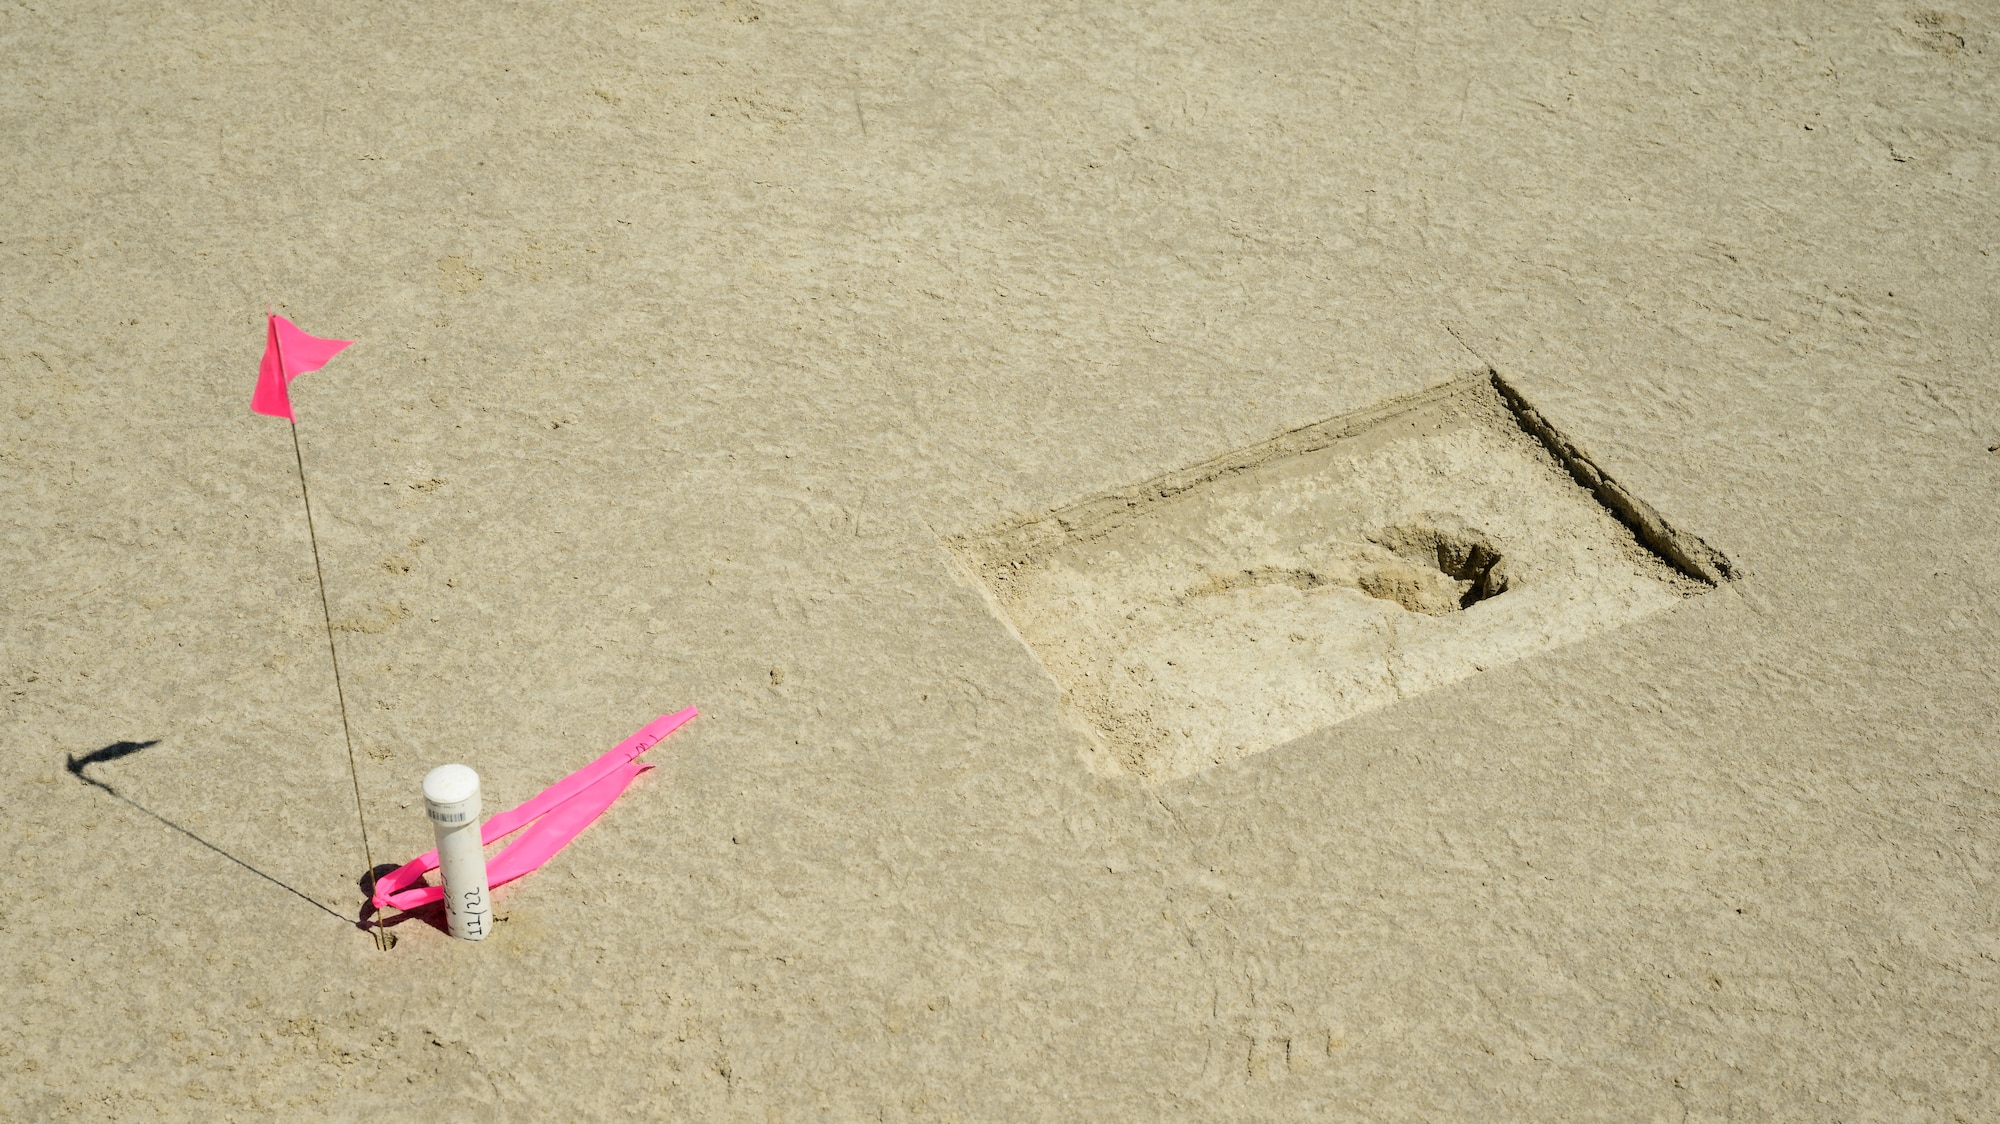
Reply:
x=451 y=796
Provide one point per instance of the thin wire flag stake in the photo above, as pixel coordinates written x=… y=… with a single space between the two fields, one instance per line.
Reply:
x=289 y=353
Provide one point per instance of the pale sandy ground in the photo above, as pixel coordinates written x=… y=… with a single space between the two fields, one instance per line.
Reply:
x=687 y=332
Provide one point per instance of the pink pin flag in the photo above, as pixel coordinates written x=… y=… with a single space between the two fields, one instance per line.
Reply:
x=288 y=353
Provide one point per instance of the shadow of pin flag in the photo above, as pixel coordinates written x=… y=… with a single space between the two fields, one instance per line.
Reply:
x=288 y=353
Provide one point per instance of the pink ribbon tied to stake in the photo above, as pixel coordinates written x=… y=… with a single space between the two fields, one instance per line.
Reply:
x=552 y=818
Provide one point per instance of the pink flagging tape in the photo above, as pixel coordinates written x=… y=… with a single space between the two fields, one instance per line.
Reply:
x=552 y=817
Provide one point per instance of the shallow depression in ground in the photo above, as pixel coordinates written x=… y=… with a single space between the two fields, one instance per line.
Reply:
x=1267 y=603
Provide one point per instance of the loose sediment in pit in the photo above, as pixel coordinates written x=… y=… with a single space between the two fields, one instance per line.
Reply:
x=1229 y=608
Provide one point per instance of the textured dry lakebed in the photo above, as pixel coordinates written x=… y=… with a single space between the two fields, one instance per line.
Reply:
x=1231 y=607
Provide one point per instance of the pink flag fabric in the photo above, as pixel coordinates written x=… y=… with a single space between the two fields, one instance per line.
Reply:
x=552 y=818
x=288 y=353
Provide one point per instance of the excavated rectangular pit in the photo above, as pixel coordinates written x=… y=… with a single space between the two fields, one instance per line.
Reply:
x=1228 y=608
